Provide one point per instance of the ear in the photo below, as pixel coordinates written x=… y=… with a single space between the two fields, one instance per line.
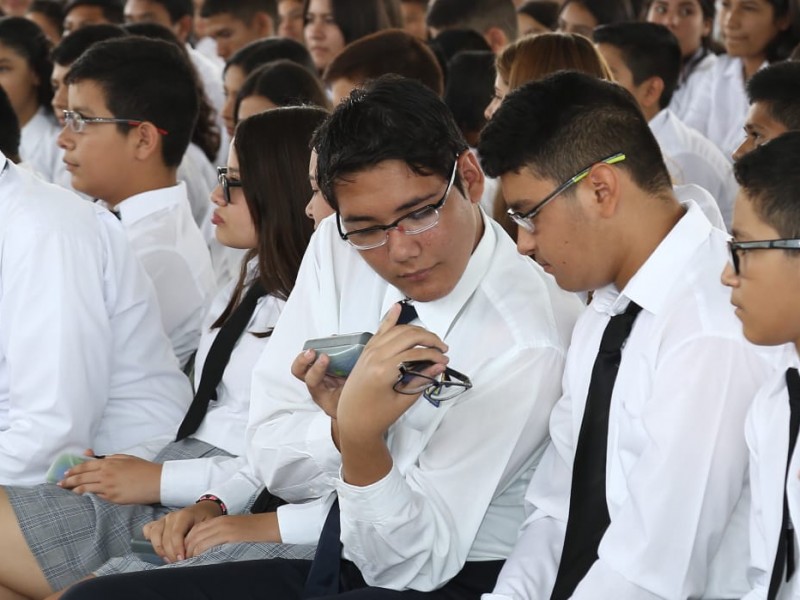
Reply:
x=471 y=176
x=496 y=38
x=183 y=27
x=650 y=92
x=605 y=184
x=264 y=24
x=146 y=141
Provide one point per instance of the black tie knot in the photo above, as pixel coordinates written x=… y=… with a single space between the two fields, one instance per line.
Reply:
x=619 y=328
x=407 y=312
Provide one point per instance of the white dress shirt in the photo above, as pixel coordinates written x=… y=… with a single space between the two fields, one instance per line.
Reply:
x=719 y=107
x=454 y=493
x=38 y=146
x=684 y=95
x=84 y=362
x=184 y=481
x=676 y=483
x=691 y=158
x=767 y=433
x=200 y=177
x=171 y=248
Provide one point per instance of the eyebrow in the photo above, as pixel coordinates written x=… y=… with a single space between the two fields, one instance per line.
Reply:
x=406 y=206
x=517 y=205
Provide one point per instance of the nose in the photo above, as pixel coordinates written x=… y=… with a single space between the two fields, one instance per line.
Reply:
x=402 y=247
x=729 y=277
x=217 y=196
x=65 y=140
x=314 y=30
x=526 y=242
x=745 y=147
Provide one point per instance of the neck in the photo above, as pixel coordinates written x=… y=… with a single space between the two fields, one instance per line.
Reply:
x=650 y=112
x=751 y=64
x=142 y=182
x=27 y=114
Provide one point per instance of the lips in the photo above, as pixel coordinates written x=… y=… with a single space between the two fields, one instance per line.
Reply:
x=216 y=219
x=417 y=275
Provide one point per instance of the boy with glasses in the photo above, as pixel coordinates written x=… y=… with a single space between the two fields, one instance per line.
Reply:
x=641 y=493
x=427 y=482
x=123 y=144
x=765 y=283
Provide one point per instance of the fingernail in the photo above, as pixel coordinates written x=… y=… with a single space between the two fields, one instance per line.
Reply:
x=308 y=353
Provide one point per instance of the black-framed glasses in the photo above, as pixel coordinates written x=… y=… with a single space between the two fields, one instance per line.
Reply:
x=525 y=220
x=435 y=390
x=77 y=122
x=226 y=183
x=415 y=222
x=735 y=247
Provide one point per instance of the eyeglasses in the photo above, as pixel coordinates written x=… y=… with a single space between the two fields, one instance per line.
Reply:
x=525 y=220
x=226 y=183
x=413 y=223
x=736 y=247
x=77 y=122
x=435 y=390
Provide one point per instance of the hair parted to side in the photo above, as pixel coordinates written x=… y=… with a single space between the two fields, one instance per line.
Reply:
x=391 y=118
x=26 y=38
x=357 y=18
x=778 y=88
x=71 y=47
x=543 y=11
x=113 y=10
x=177 y=9
x=648 y=50
x=275 y=184
x=478 y=15
x=770 y=178
x=242 y=10
x=388 y=51
x=147 y=80
x=606 y=11
x=563 y=123
x=260 y=52
x=534 y=57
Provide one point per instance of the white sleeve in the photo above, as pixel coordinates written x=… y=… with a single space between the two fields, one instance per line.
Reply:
x=761 y=557
x=184 y=481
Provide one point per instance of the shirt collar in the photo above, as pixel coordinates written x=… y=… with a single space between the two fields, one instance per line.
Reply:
x=438 y=315
x=660 y=120
x=650 y=284
x=142 y=205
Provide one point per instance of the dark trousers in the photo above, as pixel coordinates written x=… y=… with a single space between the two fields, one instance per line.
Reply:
x=277 y=579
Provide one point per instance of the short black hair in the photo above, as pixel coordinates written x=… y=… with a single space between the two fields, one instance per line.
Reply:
x=113 y=10
x=28 y=40
x=357 y=18
x=557 y=126
x=543 y=11
x=260 y=52
x=76 y=43
x=390 y=118
x=52 y=9
x=177 y=9
x=606 y=11
x=148 y=80
x=770 y=178
x=243 y=10
x=470 y=86
x=284 y=83
x=778 y=88
x=649 y=50
x=479 y=15
x=9 y=129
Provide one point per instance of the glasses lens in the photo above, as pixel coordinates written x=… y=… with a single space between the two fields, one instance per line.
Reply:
x=419 y=221
x=365 y=240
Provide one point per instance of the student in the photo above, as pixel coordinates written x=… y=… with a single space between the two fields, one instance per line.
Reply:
x=470 y=84
x=9 y=129
x=774 y=94
x=130 y=163
x=235 y=23
x=79 y=13
x=279 y=83
x=692 y=22
x=495 y=20
x=49 y=15
x=259 y=208
x=764 y=288
x=290 y=19
x=332 y=24
x=434 y=506
x=756 y=33
x=380 y=53
x=84 y=362
x=414 y=13
x=645 y=59
x=25 y=77
x=664 y=517
x=582 y=16
x=537 y=16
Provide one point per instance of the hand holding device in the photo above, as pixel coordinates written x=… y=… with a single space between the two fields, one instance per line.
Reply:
x=64 y=463
x=343 y=351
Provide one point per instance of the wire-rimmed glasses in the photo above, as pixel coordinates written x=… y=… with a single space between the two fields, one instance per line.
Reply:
x=446 y=386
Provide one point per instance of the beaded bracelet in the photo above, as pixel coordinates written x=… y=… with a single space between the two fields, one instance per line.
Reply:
x=215 y=499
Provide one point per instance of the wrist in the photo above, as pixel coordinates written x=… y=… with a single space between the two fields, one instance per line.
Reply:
x=211 y=498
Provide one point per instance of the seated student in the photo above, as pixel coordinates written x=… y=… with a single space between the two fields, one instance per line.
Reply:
x=645 y=59
x=381 y=53
x=49 y=15
x=279 y=83
x=774 y=94
x=692 y=22
x=429 y=491
x=124 y=148
x=84 y=362
x=9 y=129
x=764 y=288
x=537 y=16
x=25 y=77
x=582 y=16
x=233 y=24
x=495 y=20
x=470 y=86
x=642 y=490
x=290 y=20
x=258 y=207
x=414 y=13
x=756 y=33
x=80 y=13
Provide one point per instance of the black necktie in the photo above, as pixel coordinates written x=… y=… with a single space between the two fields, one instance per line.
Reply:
x=217 y=359
x=588 y=511
x=323 y=578
x=784 y=557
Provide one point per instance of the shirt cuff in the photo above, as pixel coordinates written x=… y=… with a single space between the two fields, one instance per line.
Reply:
x=376 y=502
x=179 y=479
x=302 y=523
x=235 y=493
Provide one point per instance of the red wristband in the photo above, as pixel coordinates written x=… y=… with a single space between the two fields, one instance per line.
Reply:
x=213 y=498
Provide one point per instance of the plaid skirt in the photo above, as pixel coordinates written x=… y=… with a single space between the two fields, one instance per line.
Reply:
x=71 y=535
